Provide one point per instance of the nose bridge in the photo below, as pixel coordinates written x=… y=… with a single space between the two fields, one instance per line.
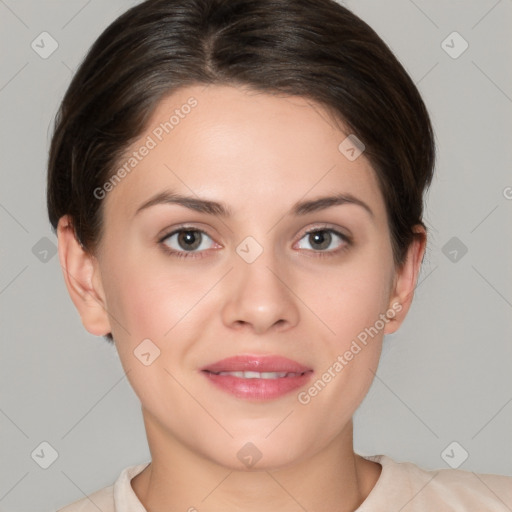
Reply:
x=259 y=294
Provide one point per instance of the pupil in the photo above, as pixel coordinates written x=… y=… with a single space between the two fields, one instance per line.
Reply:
x=320 y=238
x=188 y=239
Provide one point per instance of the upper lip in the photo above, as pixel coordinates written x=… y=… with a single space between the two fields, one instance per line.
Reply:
x=256 y=363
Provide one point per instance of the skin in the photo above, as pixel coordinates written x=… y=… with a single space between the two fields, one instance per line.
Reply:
x=259 y=154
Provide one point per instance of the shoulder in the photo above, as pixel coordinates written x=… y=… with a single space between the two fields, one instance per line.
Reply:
x=102 y=499
x=416 y=489
x=118 y=497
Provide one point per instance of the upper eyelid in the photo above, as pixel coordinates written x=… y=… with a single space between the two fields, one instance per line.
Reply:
x=178 y=229
x=327 y=228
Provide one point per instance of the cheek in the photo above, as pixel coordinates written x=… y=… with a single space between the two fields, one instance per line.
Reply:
x=151 y=297
x=350 y=356
x=350 y=298
x=355 y=299
x=156 y=306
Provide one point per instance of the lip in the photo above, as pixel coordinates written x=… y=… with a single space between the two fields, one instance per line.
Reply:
x=257 y=388
x=256 y=363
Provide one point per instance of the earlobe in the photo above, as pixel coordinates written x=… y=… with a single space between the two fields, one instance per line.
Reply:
x=82 y=279
x=405 y=280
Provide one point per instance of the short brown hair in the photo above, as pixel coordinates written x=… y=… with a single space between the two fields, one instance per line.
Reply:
x=311 y=48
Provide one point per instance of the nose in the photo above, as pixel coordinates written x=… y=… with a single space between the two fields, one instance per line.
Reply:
x=259 y=295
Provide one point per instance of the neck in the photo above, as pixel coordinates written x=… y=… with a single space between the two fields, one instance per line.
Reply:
x=332 y=480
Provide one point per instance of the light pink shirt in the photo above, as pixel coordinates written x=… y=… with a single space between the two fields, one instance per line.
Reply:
x=402 y=486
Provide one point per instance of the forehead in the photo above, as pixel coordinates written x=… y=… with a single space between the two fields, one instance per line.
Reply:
x=242 y=147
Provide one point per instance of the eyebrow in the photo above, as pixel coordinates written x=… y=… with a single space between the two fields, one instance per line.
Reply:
x=219 y=209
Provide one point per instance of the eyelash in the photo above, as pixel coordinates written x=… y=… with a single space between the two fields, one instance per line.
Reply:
x=189 y=254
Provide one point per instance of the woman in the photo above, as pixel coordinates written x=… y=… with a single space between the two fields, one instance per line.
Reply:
x=237 y=189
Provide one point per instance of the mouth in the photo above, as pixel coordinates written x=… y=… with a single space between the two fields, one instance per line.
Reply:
x=259 y=375
x=257 y=378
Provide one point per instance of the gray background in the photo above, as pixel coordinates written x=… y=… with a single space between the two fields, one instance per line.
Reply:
x=445 y=376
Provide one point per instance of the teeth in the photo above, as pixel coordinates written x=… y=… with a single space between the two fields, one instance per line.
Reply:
x=259 y=375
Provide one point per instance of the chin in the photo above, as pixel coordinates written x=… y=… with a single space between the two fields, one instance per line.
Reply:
x=255 y=453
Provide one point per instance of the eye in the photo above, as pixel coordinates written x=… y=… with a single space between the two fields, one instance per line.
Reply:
x=321 y=239
x=185 y=240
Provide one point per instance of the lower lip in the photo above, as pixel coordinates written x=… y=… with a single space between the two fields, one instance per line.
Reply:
x=258 y=389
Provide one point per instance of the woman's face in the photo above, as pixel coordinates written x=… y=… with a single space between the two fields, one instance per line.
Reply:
x=249 y=283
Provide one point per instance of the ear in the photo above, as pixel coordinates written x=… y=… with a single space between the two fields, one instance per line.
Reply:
x=83 y=280
x=405 y=280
